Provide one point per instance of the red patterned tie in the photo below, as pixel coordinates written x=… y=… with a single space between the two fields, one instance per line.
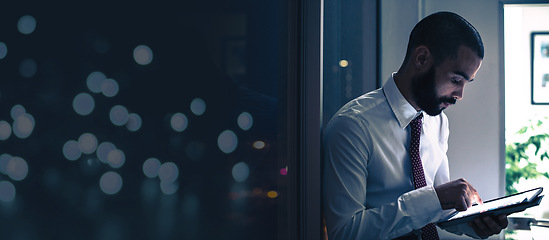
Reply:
x=429 y=231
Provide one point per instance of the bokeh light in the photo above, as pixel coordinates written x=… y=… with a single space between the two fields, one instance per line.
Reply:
x=83 y=104
x=87 y=143
x=95 y=80
x=103 y=151
x=151 y=167
x=284 y=171
x=109 y=87
x=26 y=24
x=168 y=172
x=134 y=122
x=4 y=160
x=227 y=141
x=5 y=130
x=245 y=121
x=110 y=183
x=240 y=172
x=169 y=188
x=198 y=106
x=28 y=68
x=179 y=122
x=343 y=63
x=116 y=158
x=17 y=111
x=258 y=144
x=23 y=125
x=3 y=50
x=7 y=191
x=71 y=151
x=17 y=168
x=143 y=55
x=119 y=115
x=272 y=194
x=257 y=191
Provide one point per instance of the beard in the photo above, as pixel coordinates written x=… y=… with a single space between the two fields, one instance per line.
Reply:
x=425 y=95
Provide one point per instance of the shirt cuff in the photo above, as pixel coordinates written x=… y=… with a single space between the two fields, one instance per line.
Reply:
x=424 y=206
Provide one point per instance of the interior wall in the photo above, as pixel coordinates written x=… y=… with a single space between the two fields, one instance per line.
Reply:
x=398 y=18
x=476 y=150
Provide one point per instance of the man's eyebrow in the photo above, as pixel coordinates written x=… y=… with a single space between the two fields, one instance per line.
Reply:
x=464 y=75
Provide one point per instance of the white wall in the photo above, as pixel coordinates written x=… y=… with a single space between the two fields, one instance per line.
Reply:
x=398 y=18
x=476 y=145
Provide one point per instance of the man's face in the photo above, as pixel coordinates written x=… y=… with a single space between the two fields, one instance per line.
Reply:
x=442 y=85
x=425 y=93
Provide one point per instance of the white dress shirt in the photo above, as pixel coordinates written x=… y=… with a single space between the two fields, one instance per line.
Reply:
x=368 y=190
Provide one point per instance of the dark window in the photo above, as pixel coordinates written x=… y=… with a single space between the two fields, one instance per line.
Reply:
x=144 y=120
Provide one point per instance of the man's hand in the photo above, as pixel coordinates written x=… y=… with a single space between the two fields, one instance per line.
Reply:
x=489 y=225
x=458 y=194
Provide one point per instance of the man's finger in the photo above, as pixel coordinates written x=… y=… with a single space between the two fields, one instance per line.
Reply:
x=480 y=228
x=502 y=221
x=492 y=225
x=461 y=204
x=475 y=195
x=476 y=198
x=468 y=199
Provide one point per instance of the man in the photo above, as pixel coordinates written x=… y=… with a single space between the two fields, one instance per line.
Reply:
x=375 y=185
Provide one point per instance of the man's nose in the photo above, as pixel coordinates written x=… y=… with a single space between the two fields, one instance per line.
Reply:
x=458 y=92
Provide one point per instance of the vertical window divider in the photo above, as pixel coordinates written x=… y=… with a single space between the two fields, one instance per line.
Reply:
x=311 y=119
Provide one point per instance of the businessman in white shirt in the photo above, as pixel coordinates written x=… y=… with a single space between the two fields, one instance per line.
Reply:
x=373 y=185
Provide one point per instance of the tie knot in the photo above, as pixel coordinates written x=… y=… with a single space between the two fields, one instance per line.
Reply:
x=417 y=120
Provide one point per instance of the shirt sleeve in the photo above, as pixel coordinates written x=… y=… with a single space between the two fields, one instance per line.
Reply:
x=346 y=156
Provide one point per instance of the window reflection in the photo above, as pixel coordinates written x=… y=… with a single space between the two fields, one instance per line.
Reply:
x=119 y=124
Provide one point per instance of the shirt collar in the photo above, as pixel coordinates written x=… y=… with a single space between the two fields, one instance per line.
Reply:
x=403 y=110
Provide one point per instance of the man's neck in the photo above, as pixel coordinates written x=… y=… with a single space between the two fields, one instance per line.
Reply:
x=403 y=81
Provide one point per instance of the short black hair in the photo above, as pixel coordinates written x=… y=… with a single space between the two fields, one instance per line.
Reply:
x=442 y=33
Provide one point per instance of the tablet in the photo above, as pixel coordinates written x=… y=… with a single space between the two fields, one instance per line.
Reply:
x=504 y=205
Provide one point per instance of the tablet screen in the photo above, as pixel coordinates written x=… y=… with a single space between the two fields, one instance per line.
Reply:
x=498 y=203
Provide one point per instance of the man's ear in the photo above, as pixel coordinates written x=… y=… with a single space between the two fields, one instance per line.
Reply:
x=422 y=57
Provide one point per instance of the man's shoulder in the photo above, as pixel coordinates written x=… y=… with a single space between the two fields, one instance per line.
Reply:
x=367 y=105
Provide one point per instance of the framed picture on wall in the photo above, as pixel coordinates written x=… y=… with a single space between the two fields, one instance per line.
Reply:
x=540 y=67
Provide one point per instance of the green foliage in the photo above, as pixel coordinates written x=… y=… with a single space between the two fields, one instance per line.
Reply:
x=519 y=163
x=510 y=234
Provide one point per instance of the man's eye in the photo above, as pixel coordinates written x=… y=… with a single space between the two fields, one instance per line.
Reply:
x=455 y=80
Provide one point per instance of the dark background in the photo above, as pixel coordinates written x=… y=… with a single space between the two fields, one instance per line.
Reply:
x=192 y=58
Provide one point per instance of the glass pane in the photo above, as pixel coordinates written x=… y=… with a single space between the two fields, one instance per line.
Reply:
x=350 y=52
x=129 y=121
x=350 y=66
